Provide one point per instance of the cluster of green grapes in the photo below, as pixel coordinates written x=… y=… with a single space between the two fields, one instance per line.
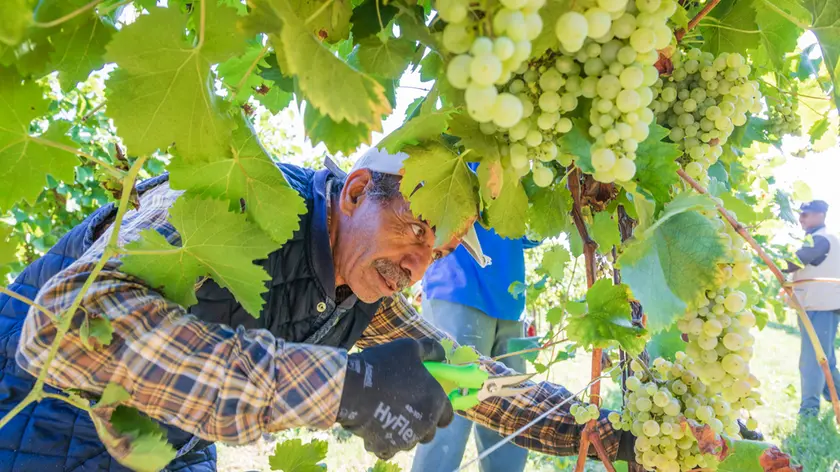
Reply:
x=607 y=54
x=584 y=413
x=482 y=62
x=709 y=383
x=702 y=102
x=783 y=117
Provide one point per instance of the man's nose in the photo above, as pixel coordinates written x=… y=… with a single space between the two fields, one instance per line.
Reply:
x=416 y=262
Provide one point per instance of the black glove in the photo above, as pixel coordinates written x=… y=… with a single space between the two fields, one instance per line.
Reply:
x=390 y=400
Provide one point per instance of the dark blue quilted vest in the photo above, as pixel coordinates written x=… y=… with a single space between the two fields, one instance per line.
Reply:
x=54 y=436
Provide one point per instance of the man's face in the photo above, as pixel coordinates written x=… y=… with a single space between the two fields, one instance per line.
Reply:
x=810 y=220
x=381 y=247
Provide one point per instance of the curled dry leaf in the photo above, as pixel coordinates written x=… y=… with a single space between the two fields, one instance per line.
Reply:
x=774 y=460
x=708 y=441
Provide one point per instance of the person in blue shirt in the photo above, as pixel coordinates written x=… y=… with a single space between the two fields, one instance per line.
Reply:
x=474 y=306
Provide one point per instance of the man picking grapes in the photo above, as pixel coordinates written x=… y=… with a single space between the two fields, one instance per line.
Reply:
x=214 y=373
x=820 y=300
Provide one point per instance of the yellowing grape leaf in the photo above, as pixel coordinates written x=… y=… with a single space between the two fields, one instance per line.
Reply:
x=162 y=93
x=554 y=262
x=332 y=22
x=508 y=212
x=607 y=321
x=491 y=177
x=670 y=264
x=340 y=136
x=484 y=147
x=416 y=130
x=25 y=160
x=292 y=455
x=246 y=172
x=148 y=450
x=79 y=49
x=382 y=466
x=224 y=250
x=330 y=84
x=448 y=199
x=728 y=34
x=385 y=59
x=548 y=214
x=604 y=230
x=656 y=164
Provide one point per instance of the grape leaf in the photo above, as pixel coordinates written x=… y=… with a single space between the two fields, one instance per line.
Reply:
x=97 y=328
x=233 y=70
x=17 y=16
x=742 y=210
x=431 y=67
x=680 y=18
x=420 y=128
x=817 y=130
x=727 y=34
x=470 y=137
x=549 y=211
x=448 y=199
x=162 y=93
x=292 y=455
x=385 y=59
x=112 y=395
x=508 y=212
x=604 y=230
x=79 y=49
x=26 y=160
x=382 y=466
x=784 y=202
x=337 y=136
x=547 y=38
x=331 y=24
x=608 y=319
x=576 y=143
x=149 y=450
x=555 y=315
x=666 y=344
x=826 y=27
x=778 y=35
x=671 y=264
x=656 y=164
x=754 y=456
x=225 y=253
x=335 y=88
x=247 y=173
x=276 y=99
x=412 y=25
x=8 y=251
x=521 y=344
x=366 y=18
x=463 y=355
x=554 y=262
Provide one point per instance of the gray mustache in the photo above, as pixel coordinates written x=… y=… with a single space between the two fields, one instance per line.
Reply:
x=392 y=272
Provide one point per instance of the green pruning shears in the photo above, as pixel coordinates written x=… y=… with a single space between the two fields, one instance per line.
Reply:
x=474 y=384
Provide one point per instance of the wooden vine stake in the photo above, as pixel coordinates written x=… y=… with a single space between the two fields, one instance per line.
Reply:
x=788 y=288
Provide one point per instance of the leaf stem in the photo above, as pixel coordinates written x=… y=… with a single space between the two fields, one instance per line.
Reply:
x=248 y=72
x=111 y=169
x=714 y=24
x=326 y=5
x=202 y=24
x=786 y=15
x=529 y=350
x=64 y=324
x=69 y=400
x=788 y=92
x=67 y=17
x=29 y=302
x=113 y=7
x=145 y=252
x=792 y=300
x=691 y=24
x=378 y=15
x=93 y=112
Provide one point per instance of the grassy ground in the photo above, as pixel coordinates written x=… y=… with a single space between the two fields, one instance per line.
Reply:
x=814 y=444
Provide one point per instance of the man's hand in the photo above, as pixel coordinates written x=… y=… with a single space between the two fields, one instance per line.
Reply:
x=390 y=400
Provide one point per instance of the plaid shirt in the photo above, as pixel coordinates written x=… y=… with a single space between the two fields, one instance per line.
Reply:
x=233 y=385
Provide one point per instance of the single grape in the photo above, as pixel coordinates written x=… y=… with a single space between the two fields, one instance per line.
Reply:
x=628 y=100
x=603 y=159
x=456 y=38
x=598 y=22
x=624 y=26
x=549 y=102
x=533 y=25
x=643 y=40
x=543 y=176
x=507 y=110
x=624 y=169
x=485 y=69
x=571 y=29
x=458 y=71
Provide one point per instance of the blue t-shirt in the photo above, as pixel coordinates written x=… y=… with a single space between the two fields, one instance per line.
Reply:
x=457 y=278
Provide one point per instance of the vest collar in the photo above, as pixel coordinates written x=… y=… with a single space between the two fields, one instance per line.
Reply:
x=320 y=250
x=814 y=230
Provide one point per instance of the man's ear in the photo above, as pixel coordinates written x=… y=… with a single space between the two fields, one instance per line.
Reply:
x=354 y=191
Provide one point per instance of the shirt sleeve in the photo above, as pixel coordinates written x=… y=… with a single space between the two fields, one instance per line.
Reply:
x=816 y=254
x=208 y=379
x=556 y=434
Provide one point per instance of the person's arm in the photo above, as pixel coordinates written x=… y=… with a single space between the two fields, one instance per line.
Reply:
x=816 y=254
x=556 y=434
